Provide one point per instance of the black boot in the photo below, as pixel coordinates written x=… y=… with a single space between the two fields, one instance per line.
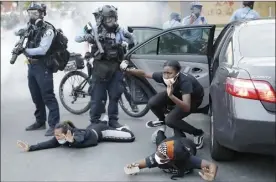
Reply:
x=115 y=124
x=36 y=126
x=50 y=132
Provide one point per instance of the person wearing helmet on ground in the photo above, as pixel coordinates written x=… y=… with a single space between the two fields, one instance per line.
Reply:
x=246 y=12
x=173 y=22
x=177 y=156
x=195 y=18
x=66 y=134
x=107 y=76
x=40 y=77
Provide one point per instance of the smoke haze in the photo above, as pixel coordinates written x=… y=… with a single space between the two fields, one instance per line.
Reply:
x=129 y=14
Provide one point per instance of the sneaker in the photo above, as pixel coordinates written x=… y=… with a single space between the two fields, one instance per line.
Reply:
x=50 y=132
x=154 y=135
x=36 y=126
x=153 y=124
x=198 y=140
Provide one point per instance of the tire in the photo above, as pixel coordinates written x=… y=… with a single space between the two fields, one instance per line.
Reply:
x=61 y=96
x=132 y=114
x=217 y=151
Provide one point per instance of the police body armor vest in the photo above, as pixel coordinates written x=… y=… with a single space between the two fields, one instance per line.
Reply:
x=35 y=37
x=113 y=50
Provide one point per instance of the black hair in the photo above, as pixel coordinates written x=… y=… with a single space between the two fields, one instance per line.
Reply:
x=249 y=4
x=65 y=126
x=174 y=64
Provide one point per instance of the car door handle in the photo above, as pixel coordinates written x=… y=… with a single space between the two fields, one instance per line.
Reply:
x=222 y=68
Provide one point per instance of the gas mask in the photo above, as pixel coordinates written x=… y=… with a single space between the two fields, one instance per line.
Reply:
x=170 y=80
x=62 y=141
x=110 y=21
x=35 y=17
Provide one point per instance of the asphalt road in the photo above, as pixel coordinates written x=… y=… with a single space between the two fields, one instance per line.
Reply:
x=102 y=163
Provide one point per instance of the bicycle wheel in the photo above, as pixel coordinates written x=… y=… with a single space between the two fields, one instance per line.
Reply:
x=129 y=111
x=76 y=92
x=133 y=109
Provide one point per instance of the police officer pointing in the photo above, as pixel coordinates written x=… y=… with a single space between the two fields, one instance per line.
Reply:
x=40 y=77
x=107 y=76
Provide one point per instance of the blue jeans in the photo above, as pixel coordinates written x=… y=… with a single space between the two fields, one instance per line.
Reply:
x=98 y=91
x=41 y=86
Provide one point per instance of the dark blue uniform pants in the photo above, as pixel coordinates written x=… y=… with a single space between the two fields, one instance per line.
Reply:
x=98 y=91
x=41 y=85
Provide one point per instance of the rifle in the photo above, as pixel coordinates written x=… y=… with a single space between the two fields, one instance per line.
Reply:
x=23 y=35
x=96 y=37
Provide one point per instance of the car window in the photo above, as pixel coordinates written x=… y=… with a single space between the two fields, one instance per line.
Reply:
x=226 y=55
x=142 y=35
x=257 y=40
x=148 y=48
x=184 y=41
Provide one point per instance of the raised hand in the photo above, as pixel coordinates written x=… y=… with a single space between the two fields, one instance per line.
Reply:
x=23 y=146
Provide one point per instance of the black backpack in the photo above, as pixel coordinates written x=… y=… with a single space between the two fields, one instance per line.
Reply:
x=58 y=50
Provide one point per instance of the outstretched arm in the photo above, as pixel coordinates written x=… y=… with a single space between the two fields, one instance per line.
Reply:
x=148 y=162
x=138 y=72
x=53 y=143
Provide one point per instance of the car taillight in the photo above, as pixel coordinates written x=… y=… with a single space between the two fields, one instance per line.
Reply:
x=251 y=89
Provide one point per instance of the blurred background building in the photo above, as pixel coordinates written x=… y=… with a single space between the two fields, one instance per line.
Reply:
x=216 y=12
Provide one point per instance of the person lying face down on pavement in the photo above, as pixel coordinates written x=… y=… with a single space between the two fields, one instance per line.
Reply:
x=66 y=134
x=177 y=156
x=184 y=95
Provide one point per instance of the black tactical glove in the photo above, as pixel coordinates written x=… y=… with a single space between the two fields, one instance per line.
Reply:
x=87 y=55
x=89 y=38
x=18 y=50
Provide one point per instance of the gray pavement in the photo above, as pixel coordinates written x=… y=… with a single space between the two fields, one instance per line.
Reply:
x=104 y=162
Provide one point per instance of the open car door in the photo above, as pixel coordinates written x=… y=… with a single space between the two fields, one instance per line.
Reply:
x=192 y=46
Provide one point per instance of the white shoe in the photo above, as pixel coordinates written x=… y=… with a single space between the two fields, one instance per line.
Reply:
x=198 y=140
x=154 y=135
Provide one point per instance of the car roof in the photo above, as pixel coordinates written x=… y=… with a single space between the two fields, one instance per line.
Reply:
x=253 y=22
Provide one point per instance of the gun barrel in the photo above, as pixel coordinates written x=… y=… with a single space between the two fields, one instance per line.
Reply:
x=13 y=59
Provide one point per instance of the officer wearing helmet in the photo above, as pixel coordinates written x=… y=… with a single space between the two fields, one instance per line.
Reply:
x=246 y=12
x=107 y=76
x=40 y=77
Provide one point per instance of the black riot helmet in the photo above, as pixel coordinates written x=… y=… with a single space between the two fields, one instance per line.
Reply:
x=36 y=12
x=249 y=4
x=110 y=15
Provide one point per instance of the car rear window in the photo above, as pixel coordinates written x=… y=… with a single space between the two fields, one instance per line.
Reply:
x=258 y=40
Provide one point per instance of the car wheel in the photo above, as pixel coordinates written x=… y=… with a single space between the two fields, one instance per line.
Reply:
x=217 y=151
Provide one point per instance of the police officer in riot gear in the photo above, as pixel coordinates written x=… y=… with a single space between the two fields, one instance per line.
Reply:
x=40 y=77
x=107 y=76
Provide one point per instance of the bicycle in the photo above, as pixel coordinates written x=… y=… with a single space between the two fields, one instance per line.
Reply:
x=74 y=68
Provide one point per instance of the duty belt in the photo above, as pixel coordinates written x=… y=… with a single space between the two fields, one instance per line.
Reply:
x=33 y=61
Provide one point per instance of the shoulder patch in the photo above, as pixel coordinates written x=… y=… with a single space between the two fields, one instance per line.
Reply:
x=48 y=33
